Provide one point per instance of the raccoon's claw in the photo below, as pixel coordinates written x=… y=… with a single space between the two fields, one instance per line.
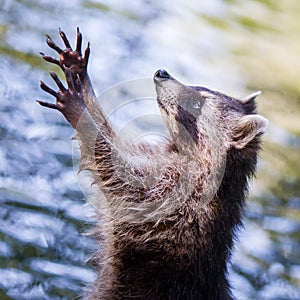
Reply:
x=47 y=104
x=78 y=41
x=48 y=90
x=69 y=100
x=52 y=45
x=87 y=53
x=50 y=59
x=73 y=59
x=64 y=38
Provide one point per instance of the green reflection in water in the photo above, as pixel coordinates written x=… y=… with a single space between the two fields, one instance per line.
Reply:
x=110 y=9
x=20 y=56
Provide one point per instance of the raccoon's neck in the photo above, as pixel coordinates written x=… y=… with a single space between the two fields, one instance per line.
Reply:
x=232 y=192
x=239 y=169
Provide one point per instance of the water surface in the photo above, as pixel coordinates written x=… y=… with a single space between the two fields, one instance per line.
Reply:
x=233 y=46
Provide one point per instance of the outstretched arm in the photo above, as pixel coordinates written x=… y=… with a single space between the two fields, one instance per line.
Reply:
x=77 y=65
x=127 y=183
x=99 y=148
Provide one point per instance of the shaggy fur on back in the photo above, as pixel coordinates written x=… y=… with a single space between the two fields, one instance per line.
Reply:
x=167 y=213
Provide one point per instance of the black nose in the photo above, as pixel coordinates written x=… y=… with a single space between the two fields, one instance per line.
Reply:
x=162 y=74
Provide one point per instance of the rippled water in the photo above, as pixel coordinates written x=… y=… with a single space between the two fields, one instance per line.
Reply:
x=43 y=219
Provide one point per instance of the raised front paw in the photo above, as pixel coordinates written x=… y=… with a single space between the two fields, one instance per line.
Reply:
x=69 y=101
x=68 y=57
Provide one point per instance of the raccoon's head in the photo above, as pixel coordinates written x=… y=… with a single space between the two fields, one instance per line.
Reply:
x=199 y=118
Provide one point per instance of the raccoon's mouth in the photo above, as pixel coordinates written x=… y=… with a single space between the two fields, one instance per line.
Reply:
x=166 y=86
x=160 y=76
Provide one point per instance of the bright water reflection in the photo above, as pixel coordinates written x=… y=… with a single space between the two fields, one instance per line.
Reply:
x=217 y=44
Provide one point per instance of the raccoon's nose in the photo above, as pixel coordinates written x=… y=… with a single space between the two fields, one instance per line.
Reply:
x=162 y=74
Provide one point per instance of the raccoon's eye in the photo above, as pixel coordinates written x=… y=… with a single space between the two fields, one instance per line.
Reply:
x=197 y=103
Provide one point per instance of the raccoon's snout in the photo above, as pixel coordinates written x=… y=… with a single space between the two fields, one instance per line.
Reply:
x=161 y=75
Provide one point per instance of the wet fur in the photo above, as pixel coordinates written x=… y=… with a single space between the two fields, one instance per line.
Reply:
x=168 y=214
x=182 y=251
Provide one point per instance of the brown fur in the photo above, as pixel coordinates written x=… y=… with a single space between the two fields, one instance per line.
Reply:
x=167 y=214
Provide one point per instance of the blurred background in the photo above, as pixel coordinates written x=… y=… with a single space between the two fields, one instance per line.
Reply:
x=233 y=46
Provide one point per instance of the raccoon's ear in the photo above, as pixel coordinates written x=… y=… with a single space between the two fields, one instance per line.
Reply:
x=247 y=129
x=250 y=97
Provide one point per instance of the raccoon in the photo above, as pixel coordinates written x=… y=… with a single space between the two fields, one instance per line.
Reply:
x=168 y=212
